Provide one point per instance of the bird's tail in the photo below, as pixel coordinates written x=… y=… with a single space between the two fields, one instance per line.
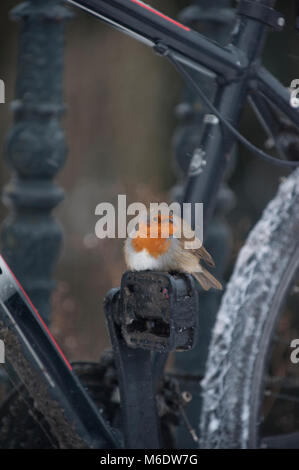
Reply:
x=207 y=280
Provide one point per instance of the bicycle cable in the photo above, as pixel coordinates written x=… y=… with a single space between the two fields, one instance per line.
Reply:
x=188 y=78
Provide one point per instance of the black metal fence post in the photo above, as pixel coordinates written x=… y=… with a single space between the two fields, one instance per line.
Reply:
x=214 y=20
x=36 y=150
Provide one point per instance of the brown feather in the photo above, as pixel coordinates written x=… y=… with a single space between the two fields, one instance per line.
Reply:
x=188 y=235
x=207 y=280
x=203 y=254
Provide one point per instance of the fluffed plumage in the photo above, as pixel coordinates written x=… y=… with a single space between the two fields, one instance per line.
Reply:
x=165 y=243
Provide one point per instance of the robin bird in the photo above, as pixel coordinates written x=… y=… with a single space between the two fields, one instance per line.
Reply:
x=160 y=243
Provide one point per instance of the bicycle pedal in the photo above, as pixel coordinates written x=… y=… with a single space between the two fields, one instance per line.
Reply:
x=158 y=310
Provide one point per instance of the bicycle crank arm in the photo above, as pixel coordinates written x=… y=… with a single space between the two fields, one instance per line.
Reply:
x=152 y=314
x=43 y=369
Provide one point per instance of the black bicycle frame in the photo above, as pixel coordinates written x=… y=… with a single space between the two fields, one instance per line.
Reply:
x=39 y=355
x=150 y=26
x=238 y=74
x=235 y=68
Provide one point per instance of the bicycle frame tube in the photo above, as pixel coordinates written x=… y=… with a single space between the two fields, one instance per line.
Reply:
x=277 y=94
x=150 y=26
x=38 y=352
x=216 y=143
x=235 y=68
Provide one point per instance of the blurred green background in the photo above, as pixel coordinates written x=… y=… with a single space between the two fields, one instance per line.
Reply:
x=119 y=125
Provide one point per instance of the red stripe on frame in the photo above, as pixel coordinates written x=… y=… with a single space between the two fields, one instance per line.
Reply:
x=38 y=316
x=152 y=10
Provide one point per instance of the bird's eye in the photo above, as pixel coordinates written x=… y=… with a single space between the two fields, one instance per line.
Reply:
x=137 y=227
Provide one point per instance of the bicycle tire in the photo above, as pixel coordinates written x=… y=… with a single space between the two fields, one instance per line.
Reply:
x=249 y=311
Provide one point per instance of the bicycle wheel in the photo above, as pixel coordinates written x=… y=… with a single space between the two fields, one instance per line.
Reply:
x=239 y=363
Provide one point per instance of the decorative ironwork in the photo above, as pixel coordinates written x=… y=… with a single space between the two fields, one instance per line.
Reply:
x=36 y=150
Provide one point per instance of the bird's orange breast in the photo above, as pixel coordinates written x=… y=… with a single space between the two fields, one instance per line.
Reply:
x=155 y=246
